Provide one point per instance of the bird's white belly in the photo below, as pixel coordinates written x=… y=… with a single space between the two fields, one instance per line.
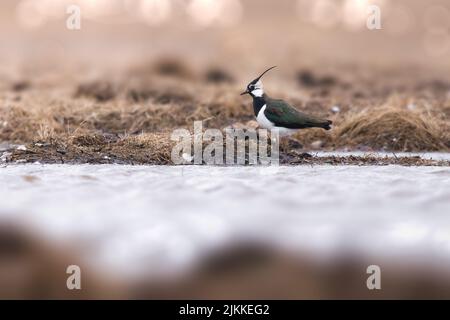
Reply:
x=263 y=121
x=269 y=125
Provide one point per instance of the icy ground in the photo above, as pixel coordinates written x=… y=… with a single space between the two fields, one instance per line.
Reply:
x=141 y=218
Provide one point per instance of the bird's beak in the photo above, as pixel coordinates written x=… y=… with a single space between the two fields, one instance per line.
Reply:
x=245 y=92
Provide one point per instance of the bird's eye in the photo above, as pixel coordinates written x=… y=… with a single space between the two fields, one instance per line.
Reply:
x=251 y=87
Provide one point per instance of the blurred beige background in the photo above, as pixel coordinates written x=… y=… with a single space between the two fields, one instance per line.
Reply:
x=241 y=34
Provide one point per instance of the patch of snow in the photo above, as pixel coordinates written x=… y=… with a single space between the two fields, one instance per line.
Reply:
x=4 y=157
x=139 y=218
x=424 y=155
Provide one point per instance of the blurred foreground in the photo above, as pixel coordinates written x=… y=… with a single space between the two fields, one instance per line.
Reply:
x=198 y=232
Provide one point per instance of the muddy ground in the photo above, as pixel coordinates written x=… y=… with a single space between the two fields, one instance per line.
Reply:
x=137 y=153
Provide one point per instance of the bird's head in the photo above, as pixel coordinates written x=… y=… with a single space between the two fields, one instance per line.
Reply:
x=255 y=88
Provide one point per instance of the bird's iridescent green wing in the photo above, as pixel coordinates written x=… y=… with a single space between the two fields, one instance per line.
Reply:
x=284 y=115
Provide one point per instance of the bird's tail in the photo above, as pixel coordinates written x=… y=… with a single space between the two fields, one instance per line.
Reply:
x=326 y=124
x=319 y=123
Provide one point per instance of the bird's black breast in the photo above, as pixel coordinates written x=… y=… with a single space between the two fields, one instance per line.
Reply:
x=258 y=103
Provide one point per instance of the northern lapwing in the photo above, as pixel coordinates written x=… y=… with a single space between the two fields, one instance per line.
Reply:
x=276 y=113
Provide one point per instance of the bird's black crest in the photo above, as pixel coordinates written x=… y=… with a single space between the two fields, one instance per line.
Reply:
x=257 y=79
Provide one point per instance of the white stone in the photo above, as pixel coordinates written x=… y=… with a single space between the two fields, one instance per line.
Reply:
x=335 y=109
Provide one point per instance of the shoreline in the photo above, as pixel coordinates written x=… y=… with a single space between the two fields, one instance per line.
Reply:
x=51 y=154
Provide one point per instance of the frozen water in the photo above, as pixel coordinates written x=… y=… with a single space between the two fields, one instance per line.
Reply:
x=141 y=218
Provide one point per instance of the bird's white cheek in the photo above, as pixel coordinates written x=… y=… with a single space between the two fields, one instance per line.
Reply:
x=258 y=92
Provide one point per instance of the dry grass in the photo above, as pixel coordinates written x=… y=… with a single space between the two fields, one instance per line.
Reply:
x=148 y=148
x=130 y=118
x=394 y=129
x=145 y=148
